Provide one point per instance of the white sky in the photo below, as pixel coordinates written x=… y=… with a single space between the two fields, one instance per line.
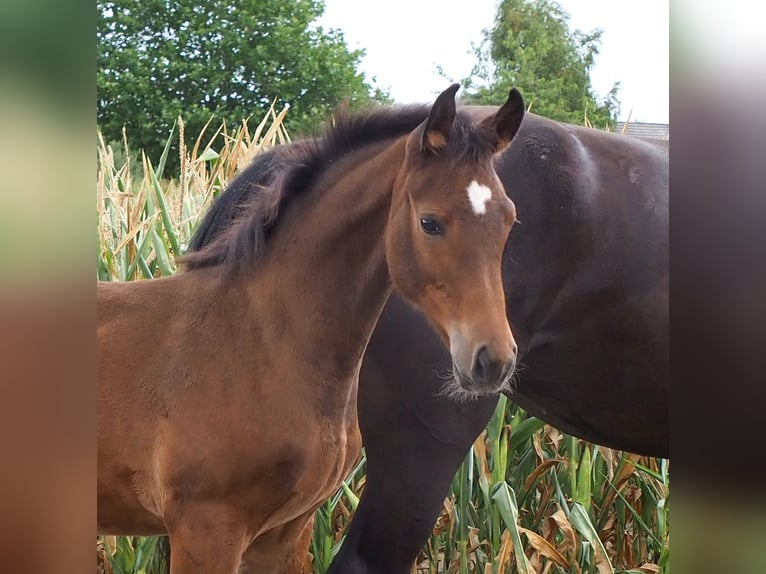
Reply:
x=406 y=39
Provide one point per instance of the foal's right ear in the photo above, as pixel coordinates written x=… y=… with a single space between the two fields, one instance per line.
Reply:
x=505 y=122
x=439 y=122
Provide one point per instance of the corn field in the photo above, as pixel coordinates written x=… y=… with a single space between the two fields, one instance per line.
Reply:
x=527 y=499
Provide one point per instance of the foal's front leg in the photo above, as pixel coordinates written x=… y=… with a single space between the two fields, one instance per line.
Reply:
x=206 y=538
x=283 y=550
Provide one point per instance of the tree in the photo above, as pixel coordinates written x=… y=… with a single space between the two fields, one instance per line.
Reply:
x=158 y=59
x=532 y=48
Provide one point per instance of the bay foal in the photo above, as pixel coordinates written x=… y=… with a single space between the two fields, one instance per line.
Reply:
x=227 y=393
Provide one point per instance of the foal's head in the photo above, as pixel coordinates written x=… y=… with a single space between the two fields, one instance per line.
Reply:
x=448 y=225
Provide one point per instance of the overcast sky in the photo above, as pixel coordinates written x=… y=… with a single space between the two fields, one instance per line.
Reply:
x=406 y=39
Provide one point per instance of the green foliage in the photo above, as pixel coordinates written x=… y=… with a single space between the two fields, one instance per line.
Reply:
x=332 y=518
x=532 y=48
x=138 y=555
x=158 y=59
x=569 y=505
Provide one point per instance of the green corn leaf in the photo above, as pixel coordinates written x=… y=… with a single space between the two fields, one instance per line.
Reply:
x=500 y=467
x=578 y=516
x=496 y=422
x=505 y=499
x=524 y=431
x=145 y=553
x=208 y=154
x=560 y=498
x=167 y=223
x=145 y=269
x=573 y=457
x=164 y=156
x=162 y=258
x=353 y=499
x=650 y=472
x=582 y=494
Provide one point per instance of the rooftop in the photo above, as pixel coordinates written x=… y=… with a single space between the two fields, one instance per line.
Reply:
x=644 y=130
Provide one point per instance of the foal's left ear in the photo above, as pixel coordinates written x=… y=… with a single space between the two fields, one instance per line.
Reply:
x=505 y=122
x=439 y=122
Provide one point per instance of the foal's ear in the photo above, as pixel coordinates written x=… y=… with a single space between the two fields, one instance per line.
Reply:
x=439 y=122
x=505 y=122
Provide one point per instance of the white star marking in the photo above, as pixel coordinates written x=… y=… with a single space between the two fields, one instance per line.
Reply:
x=479 y=195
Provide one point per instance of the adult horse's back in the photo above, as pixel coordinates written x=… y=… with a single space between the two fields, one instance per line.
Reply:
x=586 y=282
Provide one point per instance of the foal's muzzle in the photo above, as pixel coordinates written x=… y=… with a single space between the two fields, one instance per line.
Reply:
x=489 y=374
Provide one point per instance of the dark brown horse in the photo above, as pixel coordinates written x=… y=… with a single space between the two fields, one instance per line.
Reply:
x=586 y=281
x=227 y=393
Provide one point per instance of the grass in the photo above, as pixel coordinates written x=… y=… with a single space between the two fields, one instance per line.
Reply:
x=527 y=499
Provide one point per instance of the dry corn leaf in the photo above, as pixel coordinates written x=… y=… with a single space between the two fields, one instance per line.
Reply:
x=480 y=450
x=505 y=555
x=567 y=528
x=535 y=560
x=554 y=437
x=537 y=445
x=544 y=547
x=540 y=469
x=620 y=480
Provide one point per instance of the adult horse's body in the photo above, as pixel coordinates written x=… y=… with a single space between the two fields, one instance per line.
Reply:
x=586 y=281
x=227 y=393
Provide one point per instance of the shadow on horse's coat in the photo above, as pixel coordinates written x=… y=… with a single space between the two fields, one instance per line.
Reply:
x=585 y=274
x=227 y=394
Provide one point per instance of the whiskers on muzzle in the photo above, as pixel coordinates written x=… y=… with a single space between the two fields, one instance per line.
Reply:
x=454 y=391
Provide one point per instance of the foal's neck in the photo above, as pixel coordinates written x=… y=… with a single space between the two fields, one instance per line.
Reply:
x=329 y=258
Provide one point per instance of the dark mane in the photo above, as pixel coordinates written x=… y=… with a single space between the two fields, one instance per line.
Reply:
x=235 y=229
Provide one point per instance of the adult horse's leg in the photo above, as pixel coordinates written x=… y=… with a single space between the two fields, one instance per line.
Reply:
x=283 y=550
x=206 y=537
x=414 y=439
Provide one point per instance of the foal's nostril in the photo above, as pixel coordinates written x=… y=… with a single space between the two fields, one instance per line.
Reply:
x=483 y=361
x=482 y=358
x=482 y=370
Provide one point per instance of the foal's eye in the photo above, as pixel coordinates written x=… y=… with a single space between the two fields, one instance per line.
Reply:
x=431 y=226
